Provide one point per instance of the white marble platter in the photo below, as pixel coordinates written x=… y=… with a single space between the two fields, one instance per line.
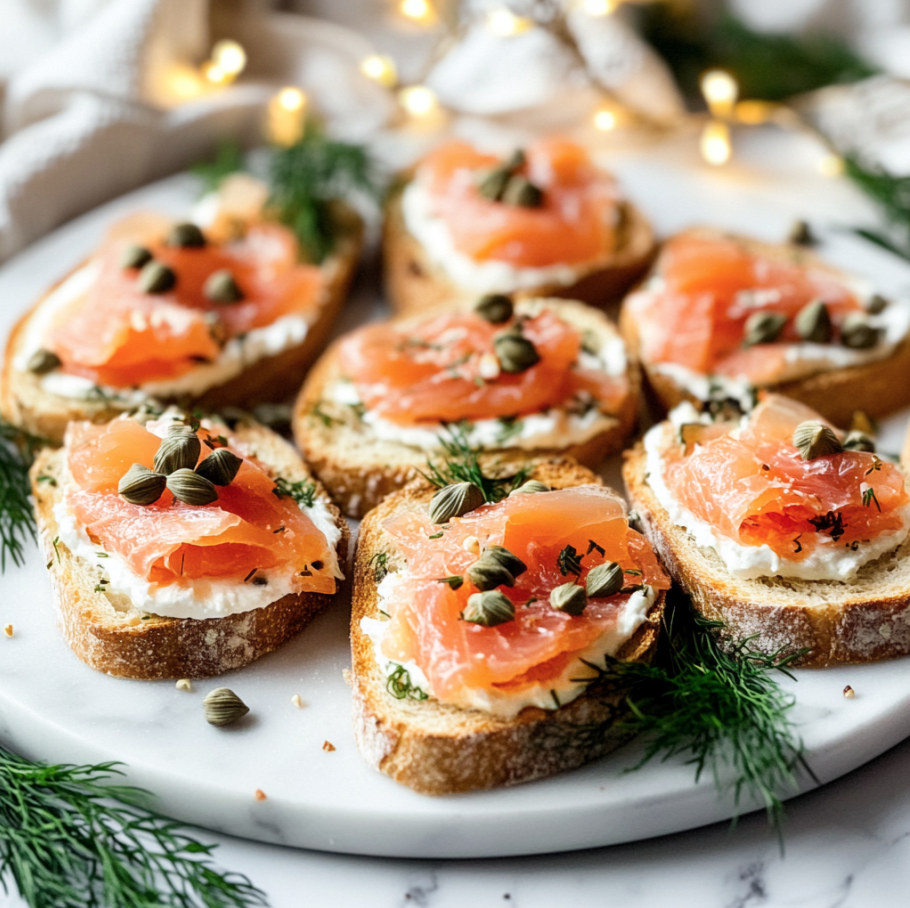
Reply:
x=53 y=707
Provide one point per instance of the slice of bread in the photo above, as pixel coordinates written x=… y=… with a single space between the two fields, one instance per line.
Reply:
x=877 y=388
x=108 y=633
x=438 y=749
x=862 y=620
x=360 y=469
x=25 y=403
x=414 y=283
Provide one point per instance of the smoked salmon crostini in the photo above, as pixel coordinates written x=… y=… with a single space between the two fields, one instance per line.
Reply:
x=480 y=622
x=221 y=310
x=794 y=534
x=721 y=314
x=541 y=221
x=183 y=549
x=542 y=377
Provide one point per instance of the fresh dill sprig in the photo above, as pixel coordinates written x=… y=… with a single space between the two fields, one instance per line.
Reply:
x=462 y=464
x=71 y=839
x=399 y=685
x=303 y=491
x=228 y=159
x=307 y=177
x=17 y=521
x=724 y=709
x=892 y=194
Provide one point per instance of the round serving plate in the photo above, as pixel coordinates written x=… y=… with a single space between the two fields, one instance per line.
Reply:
x=54 y=708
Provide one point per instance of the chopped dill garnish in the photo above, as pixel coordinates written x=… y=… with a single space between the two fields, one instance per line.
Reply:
x=723 y=709
x=462 y=464
x=398 y=684
x=50 y=480
x=511 y=427
x=436 y=535
x=325 y=418
x=869 y=498
x=71 y=839
x=17 y=521
x=380 y=562
x=303 y=491
x=569 y=561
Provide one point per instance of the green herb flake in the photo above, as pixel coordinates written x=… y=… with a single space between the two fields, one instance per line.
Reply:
x=869 y=498
x=380 y=563
x=569 y=561
x=303 y=491
x=398 y=684
x=455 y=582
x=510 y=427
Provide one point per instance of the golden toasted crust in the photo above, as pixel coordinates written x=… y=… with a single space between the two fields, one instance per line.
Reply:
x=877 y=388
x=107 y=633
x=359 y=469
x=864 y=620
x=24 y=403
x=414 y=284
x=437 y=749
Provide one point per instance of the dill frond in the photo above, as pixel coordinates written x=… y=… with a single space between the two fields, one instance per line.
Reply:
x=69 y=838
x=724 y=709
x=462 y=464
x=892 y=194
x=17 y=520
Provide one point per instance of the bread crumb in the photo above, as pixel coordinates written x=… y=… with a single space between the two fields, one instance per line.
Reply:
x=471 y=544
x=259 y=794
x=849 y=692
x=328 y=746
x=8 y=630
x=184 y=684
x=297 y=701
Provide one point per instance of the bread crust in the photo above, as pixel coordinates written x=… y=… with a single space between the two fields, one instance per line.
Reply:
x=437 y=749
x=359 y=470
x=24 y=403
x=877 y=388
x=414 y=284
x=835 y=622
x=116 y=641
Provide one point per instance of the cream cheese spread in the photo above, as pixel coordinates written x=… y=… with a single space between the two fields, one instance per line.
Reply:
x=828 y=561
x=500 y=703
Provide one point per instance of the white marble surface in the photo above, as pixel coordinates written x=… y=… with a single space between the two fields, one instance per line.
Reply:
x=845 y=843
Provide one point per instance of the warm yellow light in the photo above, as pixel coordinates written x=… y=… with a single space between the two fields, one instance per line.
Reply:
x=184 y=83
x=599 y=7
x=380 y=69
x=215 y=74
x=291 y=99
x=715 y=143
x=604 y=120
x=504 y=23
x=230 y=57
x=418 y=10
x=831 y=165
x=754 y=113
x=720 y=91
x=417 y=100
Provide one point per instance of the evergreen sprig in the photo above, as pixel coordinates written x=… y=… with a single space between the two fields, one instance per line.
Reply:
x=17 y=521
x=462 y=464
x=69 y=838
x=892 y=194
x=723 y=708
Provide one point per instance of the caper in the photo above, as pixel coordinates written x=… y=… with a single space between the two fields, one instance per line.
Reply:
x=43 y=361
x=134 y=256
x=187 y=235
x=221 y=287
x=156 y=278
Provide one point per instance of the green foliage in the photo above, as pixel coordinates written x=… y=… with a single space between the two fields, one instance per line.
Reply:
x=768 y=66
x=306 y=177
x=462 y=464
x=398 y=684
x=228 y=159
x=17 y=521
x=892 y=194
x=724 y=709
x=303 y=491
x=71 y=839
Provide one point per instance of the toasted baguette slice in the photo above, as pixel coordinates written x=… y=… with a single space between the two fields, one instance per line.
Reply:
x=109 y=634
x=360 y=469
x=438 y=749
x=863 y=620
x=25 y=403
x=414 y=283
x=877 y=388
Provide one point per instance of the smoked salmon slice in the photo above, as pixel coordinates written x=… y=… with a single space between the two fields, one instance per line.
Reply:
x=694 y=314
x=249 y=528
x=119 y=336
x=425 y=624
x=436 y=370
x=753 y=486
x=576 y=223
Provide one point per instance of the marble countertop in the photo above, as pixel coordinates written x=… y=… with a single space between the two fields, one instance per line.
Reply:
x=847 y=845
